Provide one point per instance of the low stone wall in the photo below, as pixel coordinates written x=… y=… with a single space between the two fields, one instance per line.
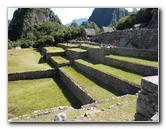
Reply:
x=94 y=53
x=47 y=73
x=84 y=97
x=147 y=102
x=136 y=38
x=57 y=65
x=75 y=54
x=98 y=54
x=138 y=53
x=66 y=47
x=48 y=55
x=133 y=67
x=108 y=79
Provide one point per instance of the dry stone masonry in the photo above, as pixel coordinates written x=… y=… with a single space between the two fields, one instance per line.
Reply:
x=132 y=38
x=147 y=102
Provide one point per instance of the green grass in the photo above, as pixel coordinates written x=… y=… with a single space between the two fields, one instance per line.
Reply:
x=96 y=89
x=128 y=76
x=90 y=46
x=54 y=49
x=124 y=112
x=69 y=44
x=24 y=60
x=77 y=50
x=59 y=59
x=25 y=96
x=134 y=60
x=107 y=104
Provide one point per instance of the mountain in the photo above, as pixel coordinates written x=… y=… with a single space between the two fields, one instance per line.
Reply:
x=25 y=18
x=107 y=16
x=78 y=21
x=92 y=25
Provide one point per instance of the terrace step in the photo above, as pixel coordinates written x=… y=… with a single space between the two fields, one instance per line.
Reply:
x=76 y=53
x=127 y=82
x=59 y=61
x=68 y=45
x=52 y=51
x=136 y=65
x=138 y=53
x=85 y=87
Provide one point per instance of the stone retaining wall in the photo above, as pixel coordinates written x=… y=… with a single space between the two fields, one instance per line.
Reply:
x=133 y=67
x=147 y=102
x=98 y=54
x=47 y=73
x=48 y=55
x=108 y=79
x=138 y=53
x=137 y=38
x=84 y=97
x=75 y=54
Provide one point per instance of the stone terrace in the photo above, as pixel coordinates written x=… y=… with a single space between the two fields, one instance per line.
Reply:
x=117 y=72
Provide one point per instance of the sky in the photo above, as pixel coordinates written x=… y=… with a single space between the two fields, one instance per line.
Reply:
x=66 y=15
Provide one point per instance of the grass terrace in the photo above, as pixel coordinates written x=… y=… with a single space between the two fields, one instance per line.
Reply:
x=70 y=44
x=90 y=46
x=59 y=59
x=77 y=49
x=130 y=77
x=134 y=60
x=95 y=88
x=54 y=49
x=25 y=96
x=24 y=60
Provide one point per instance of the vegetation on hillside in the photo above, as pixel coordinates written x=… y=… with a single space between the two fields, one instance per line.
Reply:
x=92 y=25
x=144 y=15
x=37 y=27
x=48 y=33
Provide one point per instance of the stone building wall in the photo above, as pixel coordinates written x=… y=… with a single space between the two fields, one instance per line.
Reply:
x=148 y=99
x=136 y=38
x=32 y=74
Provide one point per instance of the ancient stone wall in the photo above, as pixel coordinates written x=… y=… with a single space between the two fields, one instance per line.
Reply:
x=109 y=79
x=147 y=102
x=84 y=97
x=136 y=38
x=32 y=74
x=138 y=53
x=98 y=54
x=76 y=54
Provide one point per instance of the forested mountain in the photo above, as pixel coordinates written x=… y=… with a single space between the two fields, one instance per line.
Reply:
x=92 y=25
x=37 y=27
x=25 y=18
x=146 y=17
x=107 y=16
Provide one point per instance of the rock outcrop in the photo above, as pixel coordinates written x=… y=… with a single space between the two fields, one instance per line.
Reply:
x=107 y=16
x=25 y=18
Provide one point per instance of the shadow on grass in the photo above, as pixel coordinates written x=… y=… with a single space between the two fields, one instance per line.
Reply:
x=101 y=84
x=68 y=94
